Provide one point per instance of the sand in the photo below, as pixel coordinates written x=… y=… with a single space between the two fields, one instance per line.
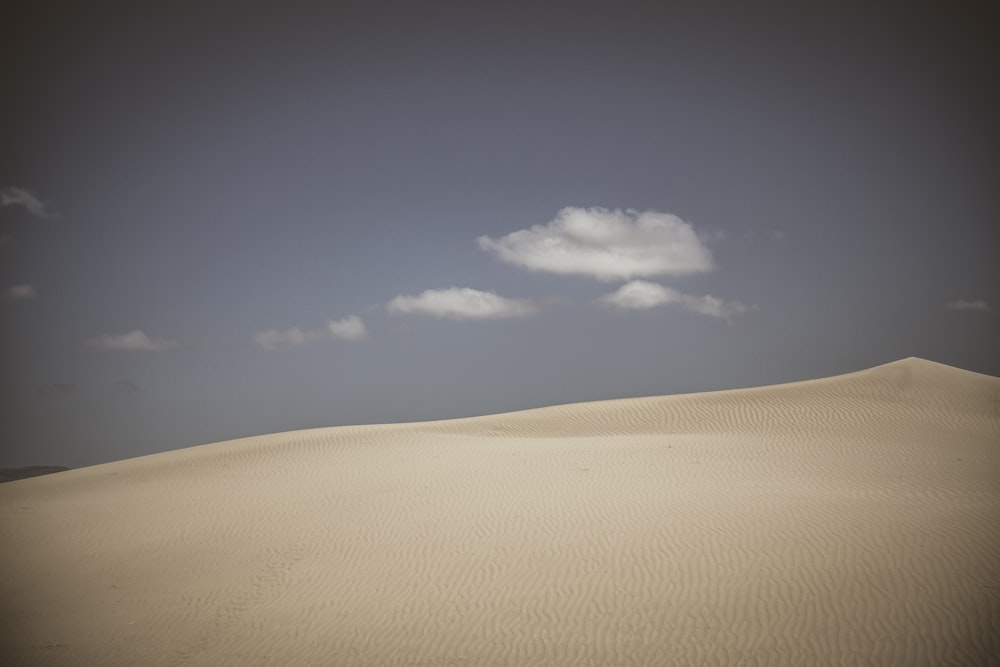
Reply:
x=851 y=520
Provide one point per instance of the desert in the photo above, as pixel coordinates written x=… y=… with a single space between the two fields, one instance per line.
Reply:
x=499 y=334
x=849 y=520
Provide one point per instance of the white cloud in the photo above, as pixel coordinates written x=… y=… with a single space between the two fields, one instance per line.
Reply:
x=350 y=328
x=135 y=340
x=13 y=196
x=643 y=295
x=962 y=304
x=462 y=304
x=605 y=244
x=21 y=292
x=714 y=306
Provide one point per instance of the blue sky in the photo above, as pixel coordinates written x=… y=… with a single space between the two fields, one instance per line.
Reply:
x=226 y=219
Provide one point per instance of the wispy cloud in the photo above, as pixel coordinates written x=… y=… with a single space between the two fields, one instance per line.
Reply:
x=713 y=306
x=22 y=292
x=462 y=303
x=135 y=340
x=962 y=304
x=605 y=244
x=351 y=328
x=643 y=295
x=14 y=196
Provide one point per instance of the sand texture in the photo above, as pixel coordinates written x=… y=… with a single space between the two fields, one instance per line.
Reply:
x=851 y=520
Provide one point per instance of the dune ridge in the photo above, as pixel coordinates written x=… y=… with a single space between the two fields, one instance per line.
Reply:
x=850 y=520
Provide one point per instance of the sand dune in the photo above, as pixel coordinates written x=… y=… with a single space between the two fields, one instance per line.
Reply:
x=852 y=520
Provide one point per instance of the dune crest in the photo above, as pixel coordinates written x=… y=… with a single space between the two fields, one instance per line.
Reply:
x=846 y=520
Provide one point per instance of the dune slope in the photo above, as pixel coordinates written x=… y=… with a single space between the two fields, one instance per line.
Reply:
x=851 y=520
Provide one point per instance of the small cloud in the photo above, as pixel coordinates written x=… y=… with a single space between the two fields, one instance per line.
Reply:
x=643 y=295
x=135 y=340
x=605 y=244
x=462 y=304
x=58 y=389
x=714 y=306
x=779 y=235
x=962 y=304
x=124 y=387
x=13 y=196
x=351 y=327
x=21 y=292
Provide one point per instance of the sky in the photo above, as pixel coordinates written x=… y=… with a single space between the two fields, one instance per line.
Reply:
x=220 y=219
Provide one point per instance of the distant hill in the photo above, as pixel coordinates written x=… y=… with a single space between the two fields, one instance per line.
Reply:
x=12 y=474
